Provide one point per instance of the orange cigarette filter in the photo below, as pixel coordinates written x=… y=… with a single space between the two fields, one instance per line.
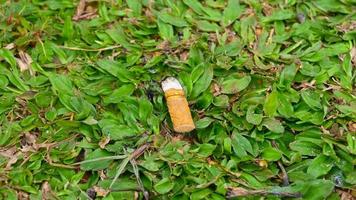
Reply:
x=178 y=107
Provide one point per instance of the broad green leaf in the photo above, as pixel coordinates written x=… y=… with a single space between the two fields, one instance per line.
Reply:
x=234 y=85
x=311 y=98
x=282 y=14
x=318 y=189
x=96 y=164
x=240 y=144
x=305 y=148
x=271 y=104
x=68 y=30
x=203 y=123
x=207 y=26
x=145 y=109
x=61 y=83
x=252 y=117
x=221 y=101
x=119 y=94
x=195 y=5
x=232 y=11
x=135 y=6
x=206 y=150
x=287 y=75
x=273 y=125
x=163 y=186
x=203 y=82
x=165 y=30
x=200 y=194
x=285 y=107
x=171 y=19
x=321 y=165
x=271 y=154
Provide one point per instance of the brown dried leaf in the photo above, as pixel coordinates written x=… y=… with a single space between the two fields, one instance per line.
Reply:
x=102 y=175
x=267 y=9
x=12 y=154
x=23 y=195
x=85 y=10
x=216 y=89
x=104 y=141
x=184 y=55
x=238 y=192
x=10 y=46
x=352 y=127
x=353 y=55
x=24 y=62
x=46 y=191
x=80 y=10
x=345 y=195
x=100 y=192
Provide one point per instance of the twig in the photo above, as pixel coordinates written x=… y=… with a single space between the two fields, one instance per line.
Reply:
x=86 y=49
x=240 y=192
x=285 y=178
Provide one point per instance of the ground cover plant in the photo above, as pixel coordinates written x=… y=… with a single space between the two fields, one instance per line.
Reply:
x=270 y=85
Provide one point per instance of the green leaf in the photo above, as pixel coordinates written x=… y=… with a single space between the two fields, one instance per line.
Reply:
x=309 y=69
x=135 y=6
x=200 y=194
x=206 y=150
x=271 y=104
x=282 y=14
x=347 y=66
x=234 y=85
x=285 y=107
x=351 y=178
x=165 y=30
x=203 y=82
x=287 y=75
x=8 y=56
x=253 y=118
x=195 y=5
x=3 y=82
x=221 y=101
x=68 y=30
x=305 y=148
x=207 y=26
x=62 y=84
x=145 y=109
x=171 y=19
x=120 y=94
x=164 y=186
x=318 y=189
x=311 y=98
x=271 y=154
x=232 y=11
x=273 y=125
x=96 y=165
x=321 y=165
x=203 y=123
x=240 y=144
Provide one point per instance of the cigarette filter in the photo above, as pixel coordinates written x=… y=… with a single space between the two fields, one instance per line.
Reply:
x=177 y=106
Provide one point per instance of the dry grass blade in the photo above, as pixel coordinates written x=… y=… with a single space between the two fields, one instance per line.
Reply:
x=241 y=192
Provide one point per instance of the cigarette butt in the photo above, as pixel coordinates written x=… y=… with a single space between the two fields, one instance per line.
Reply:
x=178 y=107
